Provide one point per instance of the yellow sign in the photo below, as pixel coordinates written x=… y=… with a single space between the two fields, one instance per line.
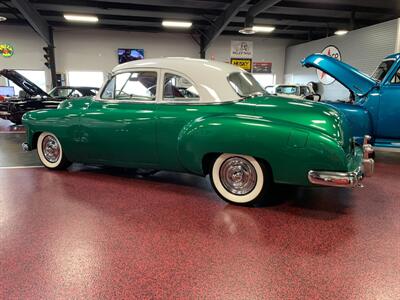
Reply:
x=6 y=50
x=245 y=64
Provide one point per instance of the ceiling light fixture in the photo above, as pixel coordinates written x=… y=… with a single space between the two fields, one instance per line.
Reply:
x=263 y=28
x=2 y=19
x=341 y=32
x=255 y=29
x=81 y=18
x=177 y=24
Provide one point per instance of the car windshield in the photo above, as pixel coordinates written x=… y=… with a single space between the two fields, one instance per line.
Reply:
x=245 y=85
x=287 y=89
x=382 y=70
x=57 y=92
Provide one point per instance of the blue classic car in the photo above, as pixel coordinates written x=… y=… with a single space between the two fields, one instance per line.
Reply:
x=375 y=106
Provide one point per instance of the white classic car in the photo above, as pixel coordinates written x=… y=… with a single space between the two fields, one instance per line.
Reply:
x=295 y=91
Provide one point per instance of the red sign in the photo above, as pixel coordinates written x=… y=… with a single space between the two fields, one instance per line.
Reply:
x=262 y=67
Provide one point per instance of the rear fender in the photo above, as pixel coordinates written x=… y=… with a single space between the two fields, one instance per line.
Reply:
x=283 y=146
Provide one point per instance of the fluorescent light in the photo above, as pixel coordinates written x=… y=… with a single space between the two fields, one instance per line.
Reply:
x=341 y=32
x=263 y=28
x=2 y=18
x=81 y=18
x=178 y=24
x=255 y=29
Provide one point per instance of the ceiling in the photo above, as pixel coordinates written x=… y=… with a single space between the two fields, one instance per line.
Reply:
x=293 y=19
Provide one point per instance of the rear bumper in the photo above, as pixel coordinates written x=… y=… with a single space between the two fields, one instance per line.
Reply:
x=346 y=179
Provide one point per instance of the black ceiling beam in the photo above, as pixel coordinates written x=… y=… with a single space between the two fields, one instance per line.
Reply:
x=222 y=21
x=256 y=9
x=37 y=22
x=130 y=6
x=337 y=7
x=300 y=18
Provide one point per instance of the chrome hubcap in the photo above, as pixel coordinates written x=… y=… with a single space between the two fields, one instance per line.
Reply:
x=238 y=176
x=51 y=149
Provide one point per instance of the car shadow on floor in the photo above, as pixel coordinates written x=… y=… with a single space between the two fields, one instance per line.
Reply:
x=330 y=201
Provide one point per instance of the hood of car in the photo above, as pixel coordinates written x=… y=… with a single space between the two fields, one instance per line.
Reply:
x=355 y=80
x=24 y=83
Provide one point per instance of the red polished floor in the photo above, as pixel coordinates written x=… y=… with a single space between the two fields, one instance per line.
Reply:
x=99 y=234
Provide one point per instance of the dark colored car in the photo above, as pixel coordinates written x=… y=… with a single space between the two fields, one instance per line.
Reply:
x=33 y=97
x=73 y=91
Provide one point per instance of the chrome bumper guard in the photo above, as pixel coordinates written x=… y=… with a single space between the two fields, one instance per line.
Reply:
x=347 y=179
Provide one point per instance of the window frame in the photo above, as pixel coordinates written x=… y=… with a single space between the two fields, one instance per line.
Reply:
x=394 y=76
x=177 y=102
x=132 y=70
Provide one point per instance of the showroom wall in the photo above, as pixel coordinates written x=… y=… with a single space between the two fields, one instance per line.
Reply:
x=363 y=48
x=28 y=49
x=265 y=49
x=95 y=50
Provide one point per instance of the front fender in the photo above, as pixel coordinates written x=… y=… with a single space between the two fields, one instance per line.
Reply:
x=289 y=150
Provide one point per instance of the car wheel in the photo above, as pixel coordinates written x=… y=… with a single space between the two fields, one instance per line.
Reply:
x=239 y=179
x=50 y=152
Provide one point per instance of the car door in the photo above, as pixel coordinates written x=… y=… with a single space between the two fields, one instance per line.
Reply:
x=119 y=127
x=178 y=105
x=389 y=108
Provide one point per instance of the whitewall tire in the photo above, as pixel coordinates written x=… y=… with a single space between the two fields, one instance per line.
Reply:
x=50 y=152
x=239 y=179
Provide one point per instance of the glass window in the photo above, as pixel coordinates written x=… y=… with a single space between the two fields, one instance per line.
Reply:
x=108 y=92
x=287 y=89
x=382 y=70
x=245 y=84
x=83 y=78
x=60 y=92
x=177 y=88
x=396 y=77
x=136 y=86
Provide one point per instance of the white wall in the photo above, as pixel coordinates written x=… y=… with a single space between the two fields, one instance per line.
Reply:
x=363 y=48
x=96 y=50
x=265 y=49
x=27 y=46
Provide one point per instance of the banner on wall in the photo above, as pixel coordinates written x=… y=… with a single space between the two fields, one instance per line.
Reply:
x=6 y=50
x=241 y=49
x=334 y=52
x=262 y=67
x=243 y=63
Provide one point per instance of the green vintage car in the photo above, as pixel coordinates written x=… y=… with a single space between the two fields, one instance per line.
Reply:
x=201 y=117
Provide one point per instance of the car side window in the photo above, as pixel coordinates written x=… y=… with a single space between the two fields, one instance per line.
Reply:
x=178 y=88
x=108 y=92
x=396 y=77
x=141 y=86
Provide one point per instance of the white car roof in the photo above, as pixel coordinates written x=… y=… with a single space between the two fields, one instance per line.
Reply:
x=209 y=77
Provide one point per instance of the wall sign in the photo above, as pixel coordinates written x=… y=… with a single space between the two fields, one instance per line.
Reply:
x=241 y=49
x=245 y=64
x=6 y=50
x=334 y=52
x=262 y=67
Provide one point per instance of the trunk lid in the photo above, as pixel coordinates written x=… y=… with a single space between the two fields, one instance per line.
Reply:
x=306 y=114
x=355 y=80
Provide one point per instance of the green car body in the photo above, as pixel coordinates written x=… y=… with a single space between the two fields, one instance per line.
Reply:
x=201 y=117
x=292 y=136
